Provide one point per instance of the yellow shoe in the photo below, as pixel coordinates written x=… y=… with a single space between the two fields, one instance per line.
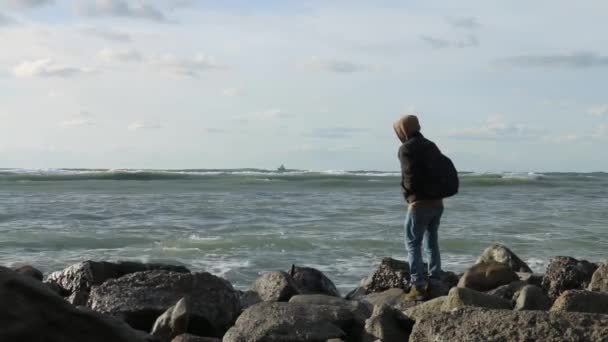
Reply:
x=417 y=293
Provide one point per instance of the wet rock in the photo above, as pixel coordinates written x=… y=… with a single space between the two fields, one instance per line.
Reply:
x=139 y=298
x=460 y=297
x=30 y=271
x=194 y=338
x=275 y=287
x=393 y=297
x=173 y=322
x=473 y=324
x=599 y=280
x=278 y=321
x=313 y=281
x=487 y=276
x=387 y=324
x=501 y=254
x=582 y=301
x=566 y=273
x=430 y=307
x=532 y=297
x=32 y=312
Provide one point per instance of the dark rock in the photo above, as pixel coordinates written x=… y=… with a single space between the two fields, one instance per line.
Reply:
x=29 y=271
x=390 y=274
x=248 y=298
x=501 y=254
x=387 y=324
x=173 y=322
x=32 y=312
x=194 y=338
x=278 y=321
x=449 y=279
x=532 y=297
x=360 y=310
x=460 y=297
x=531 y=278
x=507 y=292
x=56 y=288
x=139 y=298
x=275 y=287
x=487 y=276
x=566 y=273
x=313 y=281
x=477 y=325
x=394 y=297
x=79 y=298
x=599 y=280
x=582 y=301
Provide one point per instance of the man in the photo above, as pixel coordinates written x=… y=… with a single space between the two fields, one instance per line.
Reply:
x=424 y=209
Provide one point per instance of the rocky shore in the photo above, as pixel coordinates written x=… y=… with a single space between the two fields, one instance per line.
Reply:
x=498 y=298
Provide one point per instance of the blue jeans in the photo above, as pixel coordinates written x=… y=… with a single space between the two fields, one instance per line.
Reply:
x=422 y=224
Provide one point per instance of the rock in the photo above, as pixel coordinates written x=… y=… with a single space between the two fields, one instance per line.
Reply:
x=360 y=310
x=449 y=279
x=173 y=322
x=139 y=298
x=29 y=271
x=390 y=274
x=501 y=254
x=194 y=338
x=460 y=297
x=387 y=324
x=582 y=301
x=248 y=298
x=532 y=297
x=566 y=273
x=278 y=321
x=531 y=278
x=313 y=281
x=393 y=297
x=79 y=298
x=430 y=307
x=32 y=312
x=56 y=288
x=599 y=280
x=473 y=324
x=507 y=292
x=275 y=287
x=487 y=276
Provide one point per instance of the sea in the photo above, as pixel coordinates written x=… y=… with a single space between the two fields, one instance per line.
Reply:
x=239 y=223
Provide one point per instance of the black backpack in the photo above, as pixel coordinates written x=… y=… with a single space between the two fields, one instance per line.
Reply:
x=442 y=176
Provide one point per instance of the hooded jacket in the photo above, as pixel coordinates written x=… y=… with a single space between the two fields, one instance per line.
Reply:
x=414 y=155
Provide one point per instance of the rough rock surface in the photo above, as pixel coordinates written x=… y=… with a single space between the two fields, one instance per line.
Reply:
x=599 y=280
x=430 y=307
x=582 y=301
x=532 y=297
x=278 y=321
x=387 y=324
x=275 y=287
x=487 y=276
x=29 y=270
x=393 y=297
x=194 y=338
x=173 y=322
x=390 y=274
x=32 y=312
x=313 y=281
x=501 y=254
x=360 y=310
x=531 y=278
x=459 y=297
x=566 y=273
x=248 y=298
x=480 y=325
x=139 y=298
x=507 y=292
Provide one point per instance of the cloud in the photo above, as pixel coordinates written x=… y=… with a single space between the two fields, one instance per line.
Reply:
x=600 y=110
x=468 y=42
x=124 y=55
x=28 y=3
x=439 y=43
x=144 y=125
x=191 y=67
x=114 y=36
x=5 y=20
x=84 y=119
x=46 y=68
x=119 y=8
x=336 y=66
x=495 y=128
x=436 y=43
x=232 y=92
x=335 y=132
x=574 y=60
x=562 y=139
x=463 y=22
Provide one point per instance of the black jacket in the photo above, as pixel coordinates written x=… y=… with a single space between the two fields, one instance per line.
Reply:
x=415 y=155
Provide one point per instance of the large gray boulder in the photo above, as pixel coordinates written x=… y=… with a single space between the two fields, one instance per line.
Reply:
x=508 y=291
x=387 y=324
x=501 y=254
x=582 y=301
x=312 y=281
x=32 y=312
x=430 y=307
x=460 y=297
x=480 y=325
x=532 y=297
x=599 y=280
x=278 y=321
x=487 y=276
x=390 y=274
x=395 y=298
x=275 y=287
x=139 y=298
x=173 y=322
x=566 y=273
x=360 y=310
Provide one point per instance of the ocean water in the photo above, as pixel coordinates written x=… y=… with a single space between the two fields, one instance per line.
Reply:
x=238 y=223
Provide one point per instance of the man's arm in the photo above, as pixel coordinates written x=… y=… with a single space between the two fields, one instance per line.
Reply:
x=409 y=172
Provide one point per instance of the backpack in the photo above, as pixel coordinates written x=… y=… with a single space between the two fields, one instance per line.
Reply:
x=442 y=176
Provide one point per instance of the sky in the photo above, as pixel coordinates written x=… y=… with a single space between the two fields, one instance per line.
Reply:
x=499 y=85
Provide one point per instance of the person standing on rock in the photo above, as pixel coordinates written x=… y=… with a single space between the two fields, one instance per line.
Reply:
x=427 y=176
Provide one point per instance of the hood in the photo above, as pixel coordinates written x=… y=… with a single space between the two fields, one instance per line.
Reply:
x=406 y=126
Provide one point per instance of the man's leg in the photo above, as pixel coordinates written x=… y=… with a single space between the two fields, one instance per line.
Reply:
x=431 y=244
x=414 y=233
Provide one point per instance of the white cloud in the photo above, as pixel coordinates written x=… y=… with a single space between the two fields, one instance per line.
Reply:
x=46 y=68
x=118 y=8
x=191 y=67
x=144 y=125
x=232 y=92
x=495 y=128
x=463 y=22
x=111 y=35
x=600 y=110
x=80 y=122
x=468 y=41
x=28 y=3
x=121 y=55
x=336 y=66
